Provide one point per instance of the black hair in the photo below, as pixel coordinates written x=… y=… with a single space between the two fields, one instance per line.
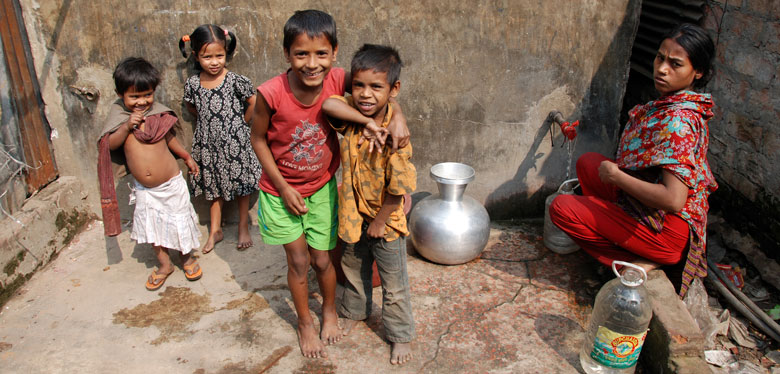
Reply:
x=311 y=22
x=699 y=46
x=379 y=58
x=207 y=34
x=135 y=72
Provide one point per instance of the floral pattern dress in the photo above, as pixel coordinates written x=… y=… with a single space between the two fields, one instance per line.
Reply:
x=672 y=133
x=220 y=146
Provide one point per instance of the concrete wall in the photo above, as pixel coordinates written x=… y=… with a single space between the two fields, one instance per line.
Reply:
x=479 y=81
x=58 y=211
x=745 y=133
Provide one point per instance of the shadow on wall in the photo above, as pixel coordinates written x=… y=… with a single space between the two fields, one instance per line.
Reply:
x=511 y=199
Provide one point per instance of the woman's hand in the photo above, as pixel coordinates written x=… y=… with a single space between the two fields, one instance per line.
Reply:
x=609 y=172
x=670 y=194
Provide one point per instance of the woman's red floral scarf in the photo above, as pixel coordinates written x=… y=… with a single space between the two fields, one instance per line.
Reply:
x=671 y=133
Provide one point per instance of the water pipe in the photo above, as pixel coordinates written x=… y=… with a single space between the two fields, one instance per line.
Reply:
x=569 y=129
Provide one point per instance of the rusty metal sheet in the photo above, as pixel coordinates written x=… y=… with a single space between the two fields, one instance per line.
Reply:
x=657 y=18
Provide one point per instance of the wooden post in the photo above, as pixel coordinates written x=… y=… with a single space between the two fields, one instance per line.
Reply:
x=33 y=127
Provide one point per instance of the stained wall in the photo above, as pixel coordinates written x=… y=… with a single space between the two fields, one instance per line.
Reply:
x=479 y=80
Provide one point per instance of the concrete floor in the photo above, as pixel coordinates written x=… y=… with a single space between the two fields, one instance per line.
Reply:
x=518 y=309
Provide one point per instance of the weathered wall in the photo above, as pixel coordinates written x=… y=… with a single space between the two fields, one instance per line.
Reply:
x=479 y=81
x=745 y=133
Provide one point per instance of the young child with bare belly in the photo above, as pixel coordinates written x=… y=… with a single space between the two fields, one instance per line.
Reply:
x=144 y=130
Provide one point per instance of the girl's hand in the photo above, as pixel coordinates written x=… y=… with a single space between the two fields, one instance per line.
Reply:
x=192 y=166
x=293 y=201
x=608 y=171
x=376 y=229
x=135 y=120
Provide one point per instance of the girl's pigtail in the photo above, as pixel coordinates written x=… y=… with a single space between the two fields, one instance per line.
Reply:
x=231 y=44
x=182 y=45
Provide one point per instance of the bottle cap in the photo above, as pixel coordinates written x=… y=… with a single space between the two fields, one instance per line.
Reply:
x=633 y=275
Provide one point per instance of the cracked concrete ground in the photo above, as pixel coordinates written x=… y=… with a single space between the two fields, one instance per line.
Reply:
x=518 y=308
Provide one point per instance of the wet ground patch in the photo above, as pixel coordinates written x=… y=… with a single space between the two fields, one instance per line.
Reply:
x=316 y=366
x=172 y=314
x=246 y=333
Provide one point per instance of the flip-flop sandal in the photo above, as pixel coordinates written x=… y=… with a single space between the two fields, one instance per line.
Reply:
x=192 y=271
x=152 y=282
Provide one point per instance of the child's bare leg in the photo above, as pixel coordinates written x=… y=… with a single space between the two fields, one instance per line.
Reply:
x=244 y=239
x=326 y=278
x=297 y=268
x=215 y=227
x=158 y=276
x=165 y=267
x=400 y=353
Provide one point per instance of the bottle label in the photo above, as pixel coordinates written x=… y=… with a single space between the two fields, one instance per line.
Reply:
x=616 y=350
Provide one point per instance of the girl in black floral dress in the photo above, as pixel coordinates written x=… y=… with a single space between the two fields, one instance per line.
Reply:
x=222 y=102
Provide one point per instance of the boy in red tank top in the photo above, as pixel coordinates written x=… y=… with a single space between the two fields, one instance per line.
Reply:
x=299 y=154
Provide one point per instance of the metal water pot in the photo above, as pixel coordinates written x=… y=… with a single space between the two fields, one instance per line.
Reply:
x=450 y=228
x=554 y=238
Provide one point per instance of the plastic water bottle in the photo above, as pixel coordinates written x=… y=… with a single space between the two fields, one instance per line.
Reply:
x=554 y=238
x=618 y=324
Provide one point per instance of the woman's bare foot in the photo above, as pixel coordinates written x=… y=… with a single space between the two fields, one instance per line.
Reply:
x=646 y=265
x=400 y=353
x=244 y=239
x=310 y=343
x=330 y=332
x=214 y=238
x=349 y=324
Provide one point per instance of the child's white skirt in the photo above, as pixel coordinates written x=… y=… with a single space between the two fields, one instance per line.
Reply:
x=164 y=216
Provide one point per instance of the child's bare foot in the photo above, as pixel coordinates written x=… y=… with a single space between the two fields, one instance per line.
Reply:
x=330 y=332
x=400 y=353
x=349 y=324
x=310 y=343
x=244 y=239
x=214 y=238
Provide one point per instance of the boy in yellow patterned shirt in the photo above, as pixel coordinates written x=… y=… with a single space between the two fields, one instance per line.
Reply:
x=371 y=218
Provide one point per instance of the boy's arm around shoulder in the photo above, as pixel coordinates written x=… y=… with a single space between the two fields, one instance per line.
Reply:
x=338 y=108
x=399 y=131
x=261 y=120
x=340 y=114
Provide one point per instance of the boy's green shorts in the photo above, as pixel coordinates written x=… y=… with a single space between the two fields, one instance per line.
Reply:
x=319 y=225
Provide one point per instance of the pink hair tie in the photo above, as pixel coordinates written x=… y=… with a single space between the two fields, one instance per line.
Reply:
x=185 y=38
x=226 y=32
